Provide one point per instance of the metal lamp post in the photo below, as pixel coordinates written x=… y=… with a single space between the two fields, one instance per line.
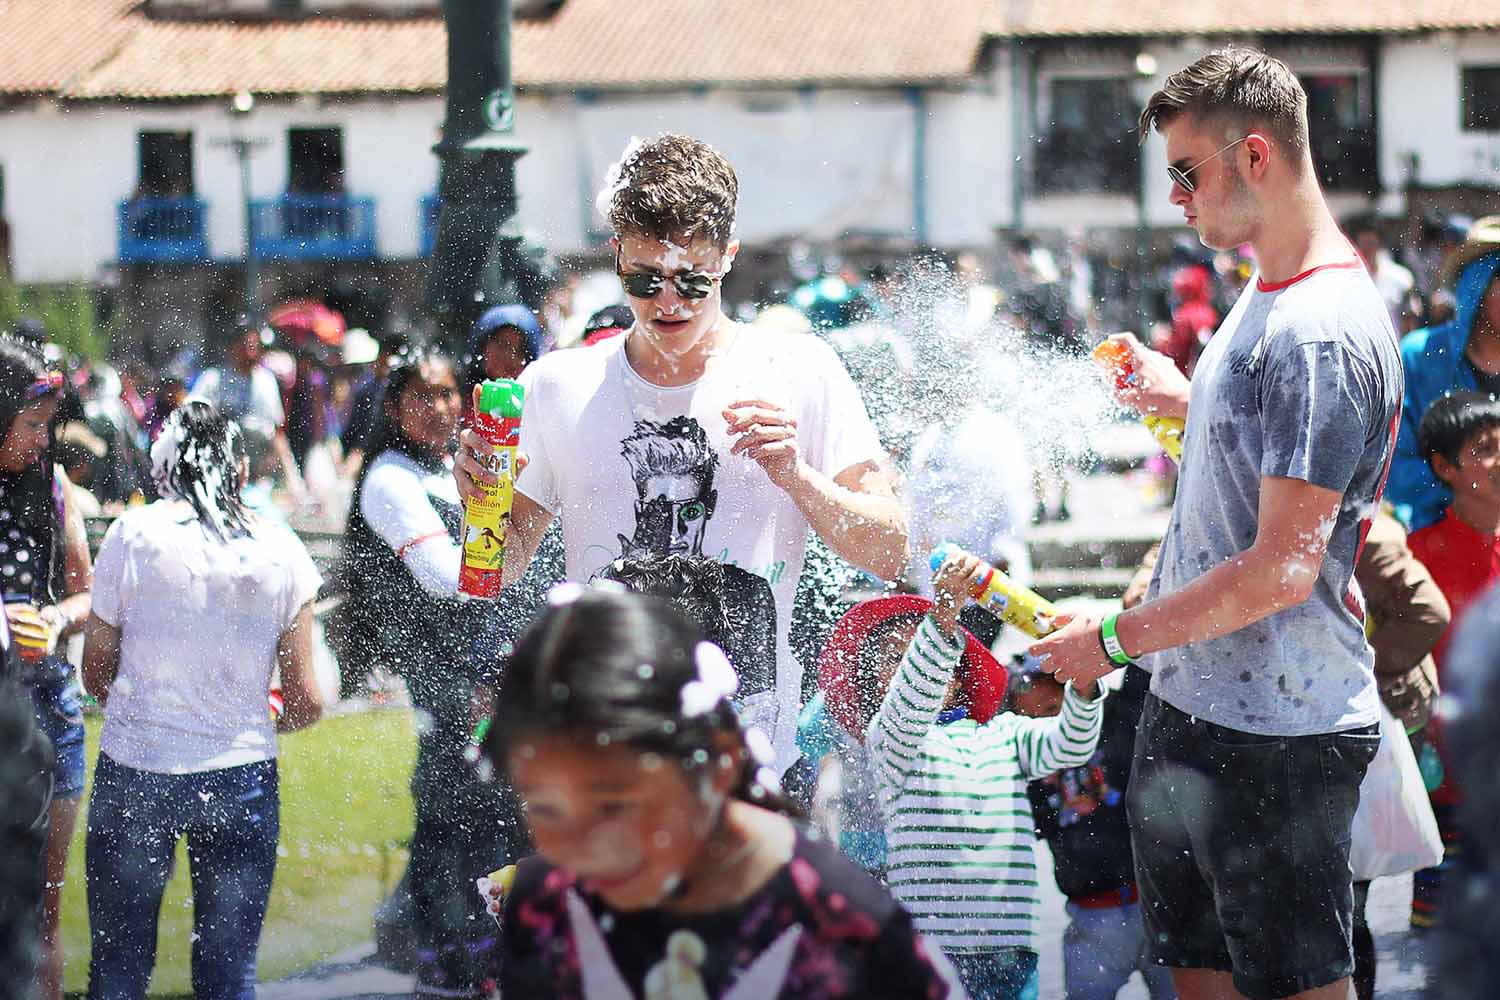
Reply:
x=479 y=258
x=244 y=147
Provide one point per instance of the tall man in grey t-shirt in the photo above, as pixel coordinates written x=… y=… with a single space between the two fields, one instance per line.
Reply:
x=1263 y=712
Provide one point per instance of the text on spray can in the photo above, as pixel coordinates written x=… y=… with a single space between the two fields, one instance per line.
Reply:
x=497 y=422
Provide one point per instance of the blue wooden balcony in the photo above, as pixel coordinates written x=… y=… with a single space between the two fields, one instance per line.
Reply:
x=427 y=224
x=313 y=227
x=162 y=231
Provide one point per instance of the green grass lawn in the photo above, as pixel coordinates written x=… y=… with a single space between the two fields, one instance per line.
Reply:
x=345 y=820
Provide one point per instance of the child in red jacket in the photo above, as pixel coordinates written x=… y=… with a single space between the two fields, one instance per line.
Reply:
x=1460 y=436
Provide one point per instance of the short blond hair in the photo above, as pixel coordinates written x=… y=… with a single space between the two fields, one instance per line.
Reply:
x=1242 y=88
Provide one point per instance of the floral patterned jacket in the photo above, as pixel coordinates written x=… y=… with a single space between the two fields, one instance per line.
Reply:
x=820 y=929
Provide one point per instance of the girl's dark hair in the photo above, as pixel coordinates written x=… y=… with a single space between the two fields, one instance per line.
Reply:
x=610 y=666
x=33 y=501
x=197 y=458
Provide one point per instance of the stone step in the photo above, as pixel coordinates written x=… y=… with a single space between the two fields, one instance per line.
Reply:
x=1056 y=584
x=1098 y=544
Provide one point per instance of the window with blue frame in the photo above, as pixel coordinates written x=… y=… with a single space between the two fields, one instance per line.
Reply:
x=316 y=219
x=163 y=221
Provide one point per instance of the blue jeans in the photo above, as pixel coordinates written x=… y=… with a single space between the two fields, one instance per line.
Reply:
x=58 y=702
x=231 y=818
x=1003 y=974
x=1102 y=947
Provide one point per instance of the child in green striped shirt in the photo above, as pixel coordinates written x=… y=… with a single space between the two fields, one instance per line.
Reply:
x=953 y=794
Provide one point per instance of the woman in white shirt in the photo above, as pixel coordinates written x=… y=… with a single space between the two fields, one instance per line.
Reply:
x=198 y=603
x=402 y=560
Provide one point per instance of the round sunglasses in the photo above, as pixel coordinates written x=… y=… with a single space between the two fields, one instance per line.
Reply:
x=1181 y=178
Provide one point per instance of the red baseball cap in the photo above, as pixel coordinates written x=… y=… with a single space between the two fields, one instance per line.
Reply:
x=984 y=679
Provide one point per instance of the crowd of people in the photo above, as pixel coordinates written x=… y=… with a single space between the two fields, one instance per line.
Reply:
x=670 y=779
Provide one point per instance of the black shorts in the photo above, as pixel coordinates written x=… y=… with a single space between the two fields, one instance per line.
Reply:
x=1242 y=849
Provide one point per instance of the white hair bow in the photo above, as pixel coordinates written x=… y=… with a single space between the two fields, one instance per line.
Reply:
x=716 y=681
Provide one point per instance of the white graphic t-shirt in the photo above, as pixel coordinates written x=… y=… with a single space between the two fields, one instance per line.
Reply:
x=634 y=468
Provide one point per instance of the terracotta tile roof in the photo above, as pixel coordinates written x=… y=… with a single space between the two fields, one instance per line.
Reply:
x=45 y=43
x=1040 y=18
x=661 y=43
x=176 y=59
x=103 y=49
x=603 y=44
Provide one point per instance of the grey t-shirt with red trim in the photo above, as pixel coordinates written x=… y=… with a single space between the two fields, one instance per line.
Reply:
x=1303 y=380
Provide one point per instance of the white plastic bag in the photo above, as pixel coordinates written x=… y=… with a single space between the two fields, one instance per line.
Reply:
x=1394 y=828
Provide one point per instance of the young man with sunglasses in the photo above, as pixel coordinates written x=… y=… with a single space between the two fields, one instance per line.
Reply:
x=696 y=434
x=1263 y=710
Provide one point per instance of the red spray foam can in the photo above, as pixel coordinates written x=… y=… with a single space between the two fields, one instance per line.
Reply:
x=497 y=421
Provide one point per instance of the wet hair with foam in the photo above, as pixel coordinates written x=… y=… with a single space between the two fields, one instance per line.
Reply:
x=197 y=458
x=671 y=187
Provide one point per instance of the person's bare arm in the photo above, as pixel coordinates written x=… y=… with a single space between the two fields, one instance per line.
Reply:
x=78 y=568
x=302 y=701
x=101 y=657
x=856 y=512
x=288 y=462
x=1279 y=570
x=529 y=521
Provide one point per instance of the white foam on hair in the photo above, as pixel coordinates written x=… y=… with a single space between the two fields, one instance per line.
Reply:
x=618 y=176
x=175 y=448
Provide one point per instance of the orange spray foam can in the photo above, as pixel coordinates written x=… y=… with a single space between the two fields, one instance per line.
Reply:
x=1115 y=357
x=1004 y=598
x=487 y=517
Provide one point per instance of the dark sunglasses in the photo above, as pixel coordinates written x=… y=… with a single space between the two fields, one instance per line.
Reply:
x=1180 y=177
x=647 y=284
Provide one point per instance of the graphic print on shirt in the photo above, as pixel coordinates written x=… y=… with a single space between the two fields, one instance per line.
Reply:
x=673 y=466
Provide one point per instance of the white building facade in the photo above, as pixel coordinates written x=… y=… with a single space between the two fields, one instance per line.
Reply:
x=1037 y=137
